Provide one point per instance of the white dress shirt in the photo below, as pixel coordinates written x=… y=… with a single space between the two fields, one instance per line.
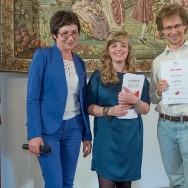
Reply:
x=170 y=109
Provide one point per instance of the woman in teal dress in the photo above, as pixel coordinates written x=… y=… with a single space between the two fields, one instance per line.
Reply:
x=118 y=143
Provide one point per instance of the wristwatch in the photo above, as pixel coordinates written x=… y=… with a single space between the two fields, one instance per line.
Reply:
x=137 y=103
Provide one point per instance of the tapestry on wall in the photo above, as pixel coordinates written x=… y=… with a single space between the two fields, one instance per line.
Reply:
x=25 y=27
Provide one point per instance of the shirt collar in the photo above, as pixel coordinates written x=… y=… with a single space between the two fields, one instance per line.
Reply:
x=168 y=50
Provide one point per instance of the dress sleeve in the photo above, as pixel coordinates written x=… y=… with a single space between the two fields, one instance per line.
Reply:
x=92 y=89
x=145 y=92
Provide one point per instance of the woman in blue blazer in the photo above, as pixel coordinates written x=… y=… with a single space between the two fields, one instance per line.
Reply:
x=56 y=114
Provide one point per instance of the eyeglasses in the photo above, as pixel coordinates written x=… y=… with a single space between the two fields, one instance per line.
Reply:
x=66 y=35
x=169 y=28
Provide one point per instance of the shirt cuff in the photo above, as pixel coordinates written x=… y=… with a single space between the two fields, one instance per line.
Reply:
x=158 y=98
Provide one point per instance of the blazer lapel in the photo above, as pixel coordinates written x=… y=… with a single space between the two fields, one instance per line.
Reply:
x=79 y=70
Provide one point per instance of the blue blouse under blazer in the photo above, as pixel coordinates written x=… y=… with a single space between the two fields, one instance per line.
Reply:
x=47 y=92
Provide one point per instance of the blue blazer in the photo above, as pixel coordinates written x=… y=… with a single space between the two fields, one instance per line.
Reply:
x=47 y=92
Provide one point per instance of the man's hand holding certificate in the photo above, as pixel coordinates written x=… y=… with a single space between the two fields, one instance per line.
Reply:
x=175 y=72
x=132 y=84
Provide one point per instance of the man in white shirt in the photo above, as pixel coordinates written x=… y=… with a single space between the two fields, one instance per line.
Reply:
x=172 y=131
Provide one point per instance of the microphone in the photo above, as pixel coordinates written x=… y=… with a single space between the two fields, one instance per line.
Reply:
x=43 y=149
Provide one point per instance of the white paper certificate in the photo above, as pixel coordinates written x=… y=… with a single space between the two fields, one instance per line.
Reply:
x=135 y=83
x=175 y=72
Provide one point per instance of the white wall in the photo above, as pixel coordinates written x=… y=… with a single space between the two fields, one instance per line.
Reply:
x=20 y=169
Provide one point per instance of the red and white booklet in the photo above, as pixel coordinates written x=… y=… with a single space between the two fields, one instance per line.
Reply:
x=135 y=83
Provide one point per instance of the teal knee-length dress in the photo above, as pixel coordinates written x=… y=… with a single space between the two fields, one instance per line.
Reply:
x=117 y=143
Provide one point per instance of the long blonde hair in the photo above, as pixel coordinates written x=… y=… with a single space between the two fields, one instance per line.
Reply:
x=107 y=71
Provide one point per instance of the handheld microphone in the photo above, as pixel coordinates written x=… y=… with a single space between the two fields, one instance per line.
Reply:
x=43 y=149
